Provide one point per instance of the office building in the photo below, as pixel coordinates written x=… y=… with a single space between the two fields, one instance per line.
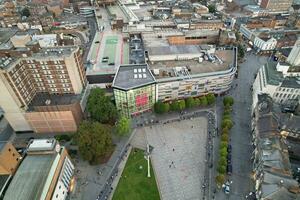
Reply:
x=45 y=173
x=41 y=87
x=294 y=57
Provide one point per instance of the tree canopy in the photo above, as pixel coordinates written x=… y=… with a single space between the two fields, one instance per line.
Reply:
x=100 y=107
x=203 y=101
x=241 y=51
x=123 y=126
x=189 y=102
x=210 y=98
x=94 y=140
x=211 y=8
x=160 y=107
x=25 y=12
x=228 y=101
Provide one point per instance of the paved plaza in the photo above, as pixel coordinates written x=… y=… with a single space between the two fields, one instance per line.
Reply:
x=178 y=157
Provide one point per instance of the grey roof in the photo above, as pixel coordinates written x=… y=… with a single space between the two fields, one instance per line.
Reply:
x=30 y=178
x=133 y=76
x=45 y=99
x=291 y=82
x=272 y=75
x=174 y=49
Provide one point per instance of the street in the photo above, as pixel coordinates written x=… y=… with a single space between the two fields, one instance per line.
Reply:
x=240 y=134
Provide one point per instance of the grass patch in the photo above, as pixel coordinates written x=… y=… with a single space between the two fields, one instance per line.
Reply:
x=134 y=183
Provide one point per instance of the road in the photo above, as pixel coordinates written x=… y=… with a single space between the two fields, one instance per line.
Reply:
x=240 y=134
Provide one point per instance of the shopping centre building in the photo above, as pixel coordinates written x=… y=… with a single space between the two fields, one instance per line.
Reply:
x=173 y=72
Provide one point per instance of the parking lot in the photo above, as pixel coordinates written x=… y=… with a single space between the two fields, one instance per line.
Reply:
x=178 y=157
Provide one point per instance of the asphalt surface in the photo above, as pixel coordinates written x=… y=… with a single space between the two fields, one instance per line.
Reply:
x=240 y=134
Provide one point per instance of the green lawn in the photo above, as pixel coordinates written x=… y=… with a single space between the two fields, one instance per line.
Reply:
x=134 y=183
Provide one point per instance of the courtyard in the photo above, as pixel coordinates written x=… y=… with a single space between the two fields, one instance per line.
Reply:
x=178 y=157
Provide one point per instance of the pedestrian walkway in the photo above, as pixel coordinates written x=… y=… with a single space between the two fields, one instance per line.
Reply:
x=120 y=171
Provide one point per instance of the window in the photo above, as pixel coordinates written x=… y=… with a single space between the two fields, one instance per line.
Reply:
x=17 y=159
x=57 y=196
x=13 y=154
x=9 y=149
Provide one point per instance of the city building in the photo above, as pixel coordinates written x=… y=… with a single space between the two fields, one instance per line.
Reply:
x=268 y=39
x=46 y=172
x=134 y=89
x=278 y=81
x=276 y=6
x=195 y=37
x=173 y=72
x=9 y=158
x=42 y=87
x=272 y=171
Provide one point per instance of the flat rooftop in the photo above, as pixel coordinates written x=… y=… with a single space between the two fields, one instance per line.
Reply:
x=164 y=69
x=6 y=34
x=42 y=145
x=45 y=99
x=132 y=76
x=30 y=178
x=110 y=45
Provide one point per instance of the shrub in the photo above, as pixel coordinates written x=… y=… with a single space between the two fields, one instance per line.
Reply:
x=228 y=100
x=224 y=137
x=220 y=179
x=210 y=98
x=221 y=169
x=223 y=151
x=227 y=123
x=197 y=102
x=189 y=102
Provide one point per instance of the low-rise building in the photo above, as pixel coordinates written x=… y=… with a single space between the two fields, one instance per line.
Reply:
x=271 y=164
x=46 y=173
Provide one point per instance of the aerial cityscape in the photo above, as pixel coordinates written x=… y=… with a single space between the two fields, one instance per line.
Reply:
x=149 y=99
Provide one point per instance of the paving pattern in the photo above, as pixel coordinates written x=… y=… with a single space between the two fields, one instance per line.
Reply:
x=178 y=157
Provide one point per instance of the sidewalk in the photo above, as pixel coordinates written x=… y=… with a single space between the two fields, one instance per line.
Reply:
x=120 y=168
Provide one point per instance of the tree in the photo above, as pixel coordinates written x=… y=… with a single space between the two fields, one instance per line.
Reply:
x=203 y=101
x=228 y=101
x=123 y=126
x=224 y=137
x=210 y=98
x=221 y=169
x=100 y=107
x=166 y=107
x=223 y=144
x=94 y=141
x=220 y=179
x=222 y=160
x=241 y=51
x=225 y=130
x=174 y=106
x=227 y=123
x=189 y=102
x=25 y=12
x=226 y=117
x=211 y=8
x=181 y=104
x=223 y=151
x=197 y=102
x=159 y=107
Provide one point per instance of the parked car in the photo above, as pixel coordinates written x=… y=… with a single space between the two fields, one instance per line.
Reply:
x=229 y=169
x=226 y=187
x=229 y=148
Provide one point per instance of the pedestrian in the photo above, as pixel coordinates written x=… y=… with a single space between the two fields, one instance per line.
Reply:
x=173 y=149
x=169 y=166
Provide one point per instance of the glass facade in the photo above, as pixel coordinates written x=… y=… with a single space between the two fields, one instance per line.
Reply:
x=135 y=101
